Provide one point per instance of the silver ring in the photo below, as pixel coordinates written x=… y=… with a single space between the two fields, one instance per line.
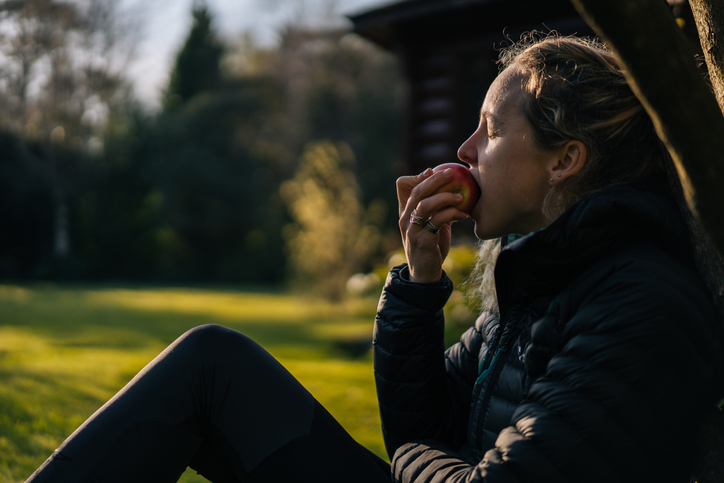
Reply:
x=432 y=228
x=417 y=220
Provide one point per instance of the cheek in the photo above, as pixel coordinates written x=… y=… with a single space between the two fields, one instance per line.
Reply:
x=493 y=208
x=497 y=175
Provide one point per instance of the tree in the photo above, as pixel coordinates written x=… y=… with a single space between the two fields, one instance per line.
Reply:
x=662 y=71
x=709 y=17
x=332 y=85
x=62 y=65
x=62 y=79
x=333 y=234
x=190 y=193
x=25 y=211
x=216 y=185
x=197 y=67
x=688 y=116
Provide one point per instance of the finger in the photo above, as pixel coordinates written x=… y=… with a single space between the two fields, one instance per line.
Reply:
x=444 y=218
x=445 y=239
x=449 y=214
x=420 y=215
x=418 y=220
x=436 y=203
x=430 y=185
x=406 y=184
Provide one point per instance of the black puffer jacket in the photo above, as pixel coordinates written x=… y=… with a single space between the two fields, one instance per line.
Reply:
x=606 y=356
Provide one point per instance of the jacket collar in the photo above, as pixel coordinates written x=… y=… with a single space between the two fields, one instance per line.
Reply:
x=542 y=263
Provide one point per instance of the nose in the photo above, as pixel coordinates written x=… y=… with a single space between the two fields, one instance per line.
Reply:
x=467 y=152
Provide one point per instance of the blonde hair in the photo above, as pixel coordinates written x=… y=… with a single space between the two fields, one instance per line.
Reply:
x=577 y=90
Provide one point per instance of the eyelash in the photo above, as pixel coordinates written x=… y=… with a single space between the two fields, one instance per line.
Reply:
x=489 y=133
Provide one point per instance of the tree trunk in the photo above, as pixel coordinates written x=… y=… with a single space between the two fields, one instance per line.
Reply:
x=709 y=18
x=662 y=72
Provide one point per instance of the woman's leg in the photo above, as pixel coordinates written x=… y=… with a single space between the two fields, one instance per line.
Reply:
x=216 y=401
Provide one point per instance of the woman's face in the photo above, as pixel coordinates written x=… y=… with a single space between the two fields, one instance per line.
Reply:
x=512 y=171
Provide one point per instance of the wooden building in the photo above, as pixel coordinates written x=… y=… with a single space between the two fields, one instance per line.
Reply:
x=448 y=50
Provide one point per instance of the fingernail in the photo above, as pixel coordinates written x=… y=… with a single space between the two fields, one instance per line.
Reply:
x=447 y=172
x=426 y=172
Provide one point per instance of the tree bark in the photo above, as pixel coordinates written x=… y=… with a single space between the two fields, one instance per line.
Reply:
x=709 y=19
x=662 y=72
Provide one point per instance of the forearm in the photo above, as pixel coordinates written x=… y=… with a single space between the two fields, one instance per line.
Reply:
x=426 y=462
x=410 y=361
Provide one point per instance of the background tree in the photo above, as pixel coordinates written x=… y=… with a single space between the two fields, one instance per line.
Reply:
x=62 y=67
x=197 y=67
x=25 y=211
x=333 y=235
x=208 y=204
x=338 y=86
x=191 y=193
x=62 y=79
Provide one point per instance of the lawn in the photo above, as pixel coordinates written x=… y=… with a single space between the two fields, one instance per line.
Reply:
x=64 y=350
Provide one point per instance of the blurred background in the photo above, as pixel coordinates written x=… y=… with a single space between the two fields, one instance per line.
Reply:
x=143 y=142
x=166 y=164
x=171 y=163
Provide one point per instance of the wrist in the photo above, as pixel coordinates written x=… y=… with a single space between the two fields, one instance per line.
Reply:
x=417 y=278
x=428 y=297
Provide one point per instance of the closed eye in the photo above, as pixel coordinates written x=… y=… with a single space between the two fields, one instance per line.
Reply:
x=490 y=124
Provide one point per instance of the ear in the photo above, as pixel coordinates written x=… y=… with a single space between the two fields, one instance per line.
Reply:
x=569 y=160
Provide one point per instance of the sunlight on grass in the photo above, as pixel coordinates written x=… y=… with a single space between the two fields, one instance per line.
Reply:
x=233 y=306
x=47 y=390
x=65 y=350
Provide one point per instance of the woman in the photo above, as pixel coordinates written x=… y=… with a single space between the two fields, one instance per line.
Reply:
x=595 y=363
x=604 y=348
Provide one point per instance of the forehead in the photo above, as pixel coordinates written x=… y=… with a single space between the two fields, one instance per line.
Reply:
x=505 y=93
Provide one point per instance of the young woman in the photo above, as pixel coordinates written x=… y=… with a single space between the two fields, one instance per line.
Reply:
x=598 y=354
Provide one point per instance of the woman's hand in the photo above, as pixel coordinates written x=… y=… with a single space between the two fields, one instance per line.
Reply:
x=425 y=248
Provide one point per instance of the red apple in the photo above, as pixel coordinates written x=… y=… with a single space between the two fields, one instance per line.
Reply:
x=463 y=183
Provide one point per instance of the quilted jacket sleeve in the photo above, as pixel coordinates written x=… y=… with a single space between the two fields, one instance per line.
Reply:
x=636 y=364
x=423 y=392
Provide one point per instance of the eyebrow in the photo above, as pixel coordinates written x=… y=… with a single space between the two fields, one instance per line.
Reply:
x=489 y=115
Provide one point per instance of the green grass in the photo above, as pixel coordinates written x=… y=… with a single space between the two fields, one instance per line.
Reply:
x=64 y=350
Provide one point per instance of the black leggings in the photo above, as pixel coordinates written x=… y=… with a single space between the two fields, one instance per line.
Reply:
x=216 y=401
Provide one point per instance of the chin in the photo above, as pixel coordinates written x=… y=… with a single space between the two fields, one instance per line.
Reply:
x=485 y=231
x=479 y=228
x=482 y=234
x=478 y=235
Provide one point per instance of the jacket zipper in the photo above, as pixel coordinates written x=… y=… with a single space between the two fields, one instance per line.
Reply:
x=486 y=364
x=490 y=374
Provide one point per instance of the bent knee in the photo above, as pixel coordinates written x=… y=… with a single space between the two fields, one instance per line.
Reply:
x=207 y=331
x=211 y=338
